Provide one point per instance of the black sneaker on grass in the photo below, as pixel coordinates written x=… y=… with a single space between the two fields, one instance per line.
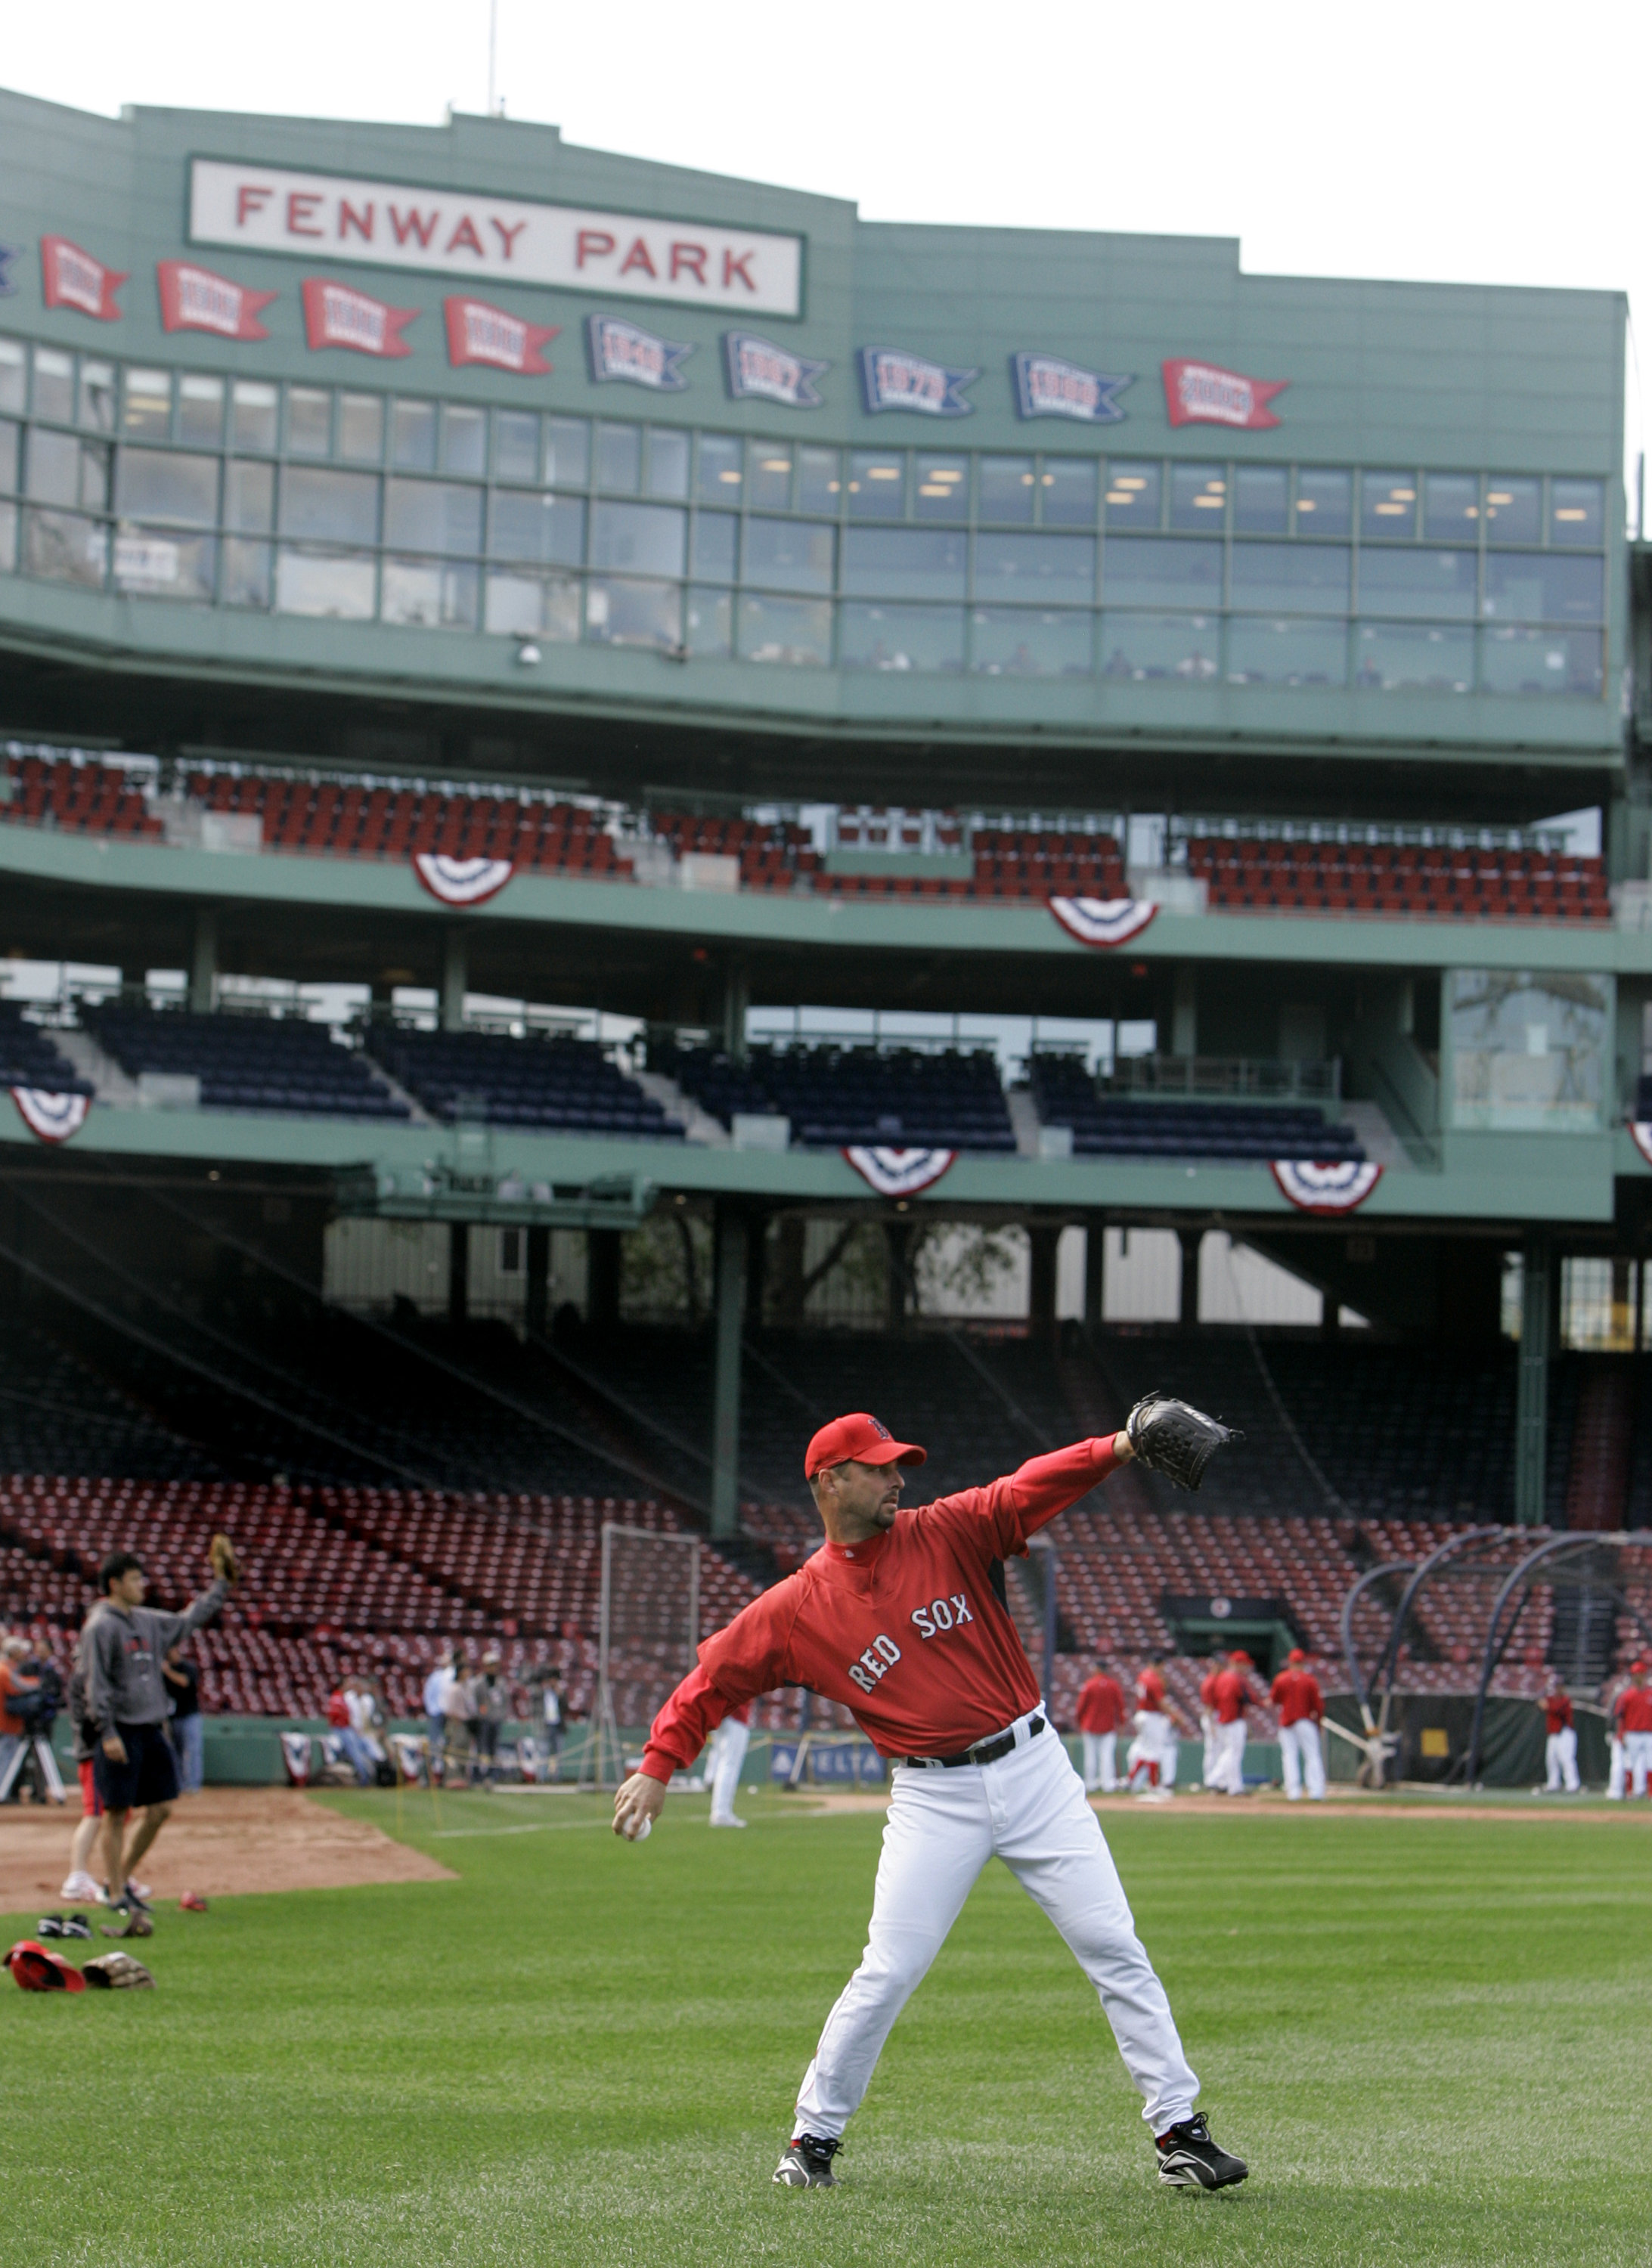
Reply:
x=76 y=1925
x=807 y=2163
x=1188 y=2158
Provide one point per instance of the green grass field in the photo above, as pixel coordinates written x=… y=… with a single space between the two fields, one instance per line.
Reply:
x=1427 y=2035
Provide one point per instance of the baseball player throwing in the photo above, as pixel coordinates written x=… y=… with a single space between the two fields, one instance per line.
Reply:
x=899 y=1616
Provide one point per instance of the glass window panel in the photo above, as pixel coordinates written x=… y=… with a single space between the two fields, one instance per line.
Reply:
x=149 y=403
x=568 y=453
x=619 y=458
x=1528 y=1050
x=793 y=631
x=547 y=529
x=877 y=484
x=1199 y=495
x=249 y=497
x=649 y=537
x=942 y=487
x=309 y=421
x=432 y=516
x=413 y=437
x=928 y=638
x=714 y=533
x=819 y=480
x=159 y=563
x=1537 y=586
x=54 y=385
x=1068 y=491
x=1514 y=509
x=1541 y=661
x=8 y=537
x=13 y=376
x=1008 y=488
x=1439 y=584
x=668 y=463
x=361 y=427
x=768 y=475
x=1030 y=641
x=1154 y=572
x=247 y=574
x=166 y=485
x=711 y=624
x=1450 y=506
x=1577 y=511
x=65 y=471
x=1261 y=500
x=1401 y=658
x=1267 y=651
x=62 y=547
x=534 y=606
x=464 y=441
x=915 y=563
x=515 y=445
x=429 y=594
x=1324 y=501
x=1061 y=567
x=330 y=583
x=719 y=481
x=253 y=407
x=327 y=508
x=1307 y=579
x=11 y=455
x=97 y=400
x=1133 y=494
x=633 y=613
x=200 y=409
x=1140 y=646
x=1388 y=504
x=795 y=555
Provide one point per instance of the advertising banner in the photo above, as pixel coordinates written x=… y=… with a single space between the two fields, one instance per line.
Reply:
x=1199 y=394
x=622 y=352
x=895 y=380
x=479 y=333
x=70 y=277
x=1048 y=387
x=335 y=315
x=759 y=369
x=194 y=299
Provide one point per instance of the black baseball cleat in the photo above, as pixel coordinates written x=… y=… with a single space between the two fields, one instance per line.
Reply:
x=807 y=2163
x=1188 y=2158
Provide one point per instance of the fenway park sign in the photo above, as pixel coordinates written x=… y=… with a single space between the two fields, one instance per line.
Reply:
x=504 y=241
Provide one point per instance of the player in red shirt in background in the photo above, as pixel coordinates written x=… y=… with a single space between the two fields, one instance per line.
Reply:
x=1633 y=1710
x=899 y=1617
x=1232 y=1696
x=1155 y=1752
x=1295 y=1694
x=1560 y=1754
x=1101 y=1712
x=1210 y=1768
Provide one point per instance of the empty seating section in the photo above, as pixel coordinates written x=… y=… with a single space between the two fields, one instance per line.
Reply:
x=79 y=794
x=247 y=1062
x=537 y=1082
x=1105 y=1126
x=28 y=1058
x=1011 y=864
x=837 y=1095
x=772 y=854
x=1387 y=878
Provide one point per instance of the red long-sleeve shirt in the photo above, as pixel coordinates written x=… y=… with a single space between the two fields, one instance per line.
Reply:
x=904 y=1630
x=1231 y=1696
x=1633 y=1709
x=1101 y=1705
x=1557 y=1712
x=1295 y=1694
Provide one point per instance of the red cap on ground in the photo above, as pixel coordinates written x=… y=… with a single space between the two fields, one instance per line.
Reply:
x=38 y=1969
x=1296 y=1654
x=861 y=1437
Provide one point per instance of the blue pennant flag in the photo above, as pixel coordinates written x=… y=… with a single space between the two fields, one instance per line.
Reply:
x=895 y=380
x=1048 y=387
x=759 y=369
x=637 y=357
x=8 y=254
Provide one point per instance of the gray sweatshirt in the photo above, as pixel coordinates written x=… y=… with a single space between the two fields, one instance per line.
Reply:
x=121 y=1650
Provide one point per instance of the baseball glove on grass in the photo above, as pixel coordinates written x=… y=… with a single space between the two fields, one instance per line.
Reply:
x=1172 y=1437
x=225 y=1562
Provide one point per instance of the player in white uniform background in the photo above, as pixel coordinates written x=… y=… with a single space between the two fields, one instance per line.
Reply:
x=729 y=1743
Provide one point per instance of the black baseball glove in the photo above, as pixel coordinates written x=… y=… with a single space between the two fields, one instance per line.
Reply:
x=1172 y=1437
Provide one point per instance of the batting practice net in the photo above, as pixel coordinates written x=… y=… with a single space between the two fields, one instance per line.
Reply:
x=649 y=1637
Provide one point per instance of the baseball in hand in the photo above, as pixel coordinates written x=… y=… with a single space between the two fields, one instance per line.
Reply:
x=643 y=1830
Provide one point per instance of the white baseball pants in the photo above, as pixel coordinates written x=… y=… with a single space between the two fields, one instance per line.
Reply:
x=1155 y=1744
x=1559 y=1756
x=1637 y=1756
x=1211 y=1764
x=732 y=1738
x=1301 y=1757
x=1100 y=1769
x=1027 y=1809
x=1230 y=1758
x=1617 y=1769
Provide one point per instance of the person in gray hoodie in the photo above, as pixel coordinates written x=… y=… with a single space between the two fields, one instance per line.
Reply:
x=123 y=1649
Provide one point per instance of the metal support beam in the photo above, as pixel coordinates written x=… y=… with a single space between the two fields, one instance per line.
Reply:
x=203 y=961
x=898 y=1245
x=538 y=1314
x=1185 y=1011
x=730 y=1325
x=1094 y=1272
x=736 y=1000
x=455 y=978
x=1041 y=1301
x=458 y=1272
x=1531 y=1409
x=1191 y=1238
x=602 y=1279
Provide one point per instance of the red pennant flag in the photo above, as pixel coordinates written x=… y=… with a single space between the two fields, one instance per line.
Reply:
x=479 y=333
x=1200 y=393
x=194 y=299
x=73 y=278
x=336 y=316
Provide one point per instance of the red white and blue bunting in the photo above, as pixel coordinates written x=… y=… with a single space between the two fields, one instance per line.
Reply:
x=50 y=1117
x=295 y=1755
x=1313 y=1187
x=462 y=881
x=899 y=1173
x=1640 y=1135
x=1103 y=921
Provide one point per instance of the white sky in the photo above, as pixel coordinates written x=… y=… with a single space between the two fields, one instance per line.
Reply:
x=1456 y=140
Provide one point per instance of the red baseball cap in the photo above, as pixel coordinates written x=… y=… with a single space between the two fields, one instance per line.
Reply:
x=861 y=1437
x=1239 y=1655
x=1296 y=1654
x=38 y=1969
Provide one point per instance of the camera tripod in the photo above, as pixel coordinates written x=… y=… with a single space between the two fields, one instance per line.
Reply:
x=35 y=1749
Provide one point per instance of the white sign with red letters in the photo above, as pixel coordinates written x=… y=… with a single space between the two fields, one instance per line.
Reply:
x=501 y=239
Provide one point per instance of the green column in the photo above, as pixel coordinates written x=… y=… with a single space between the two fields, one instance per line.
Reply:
x=731 y=1315
x=1531 y=1410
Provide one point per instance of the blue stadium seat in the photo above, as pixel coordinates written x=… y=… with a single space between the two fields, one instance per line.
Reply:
x=247 y=1062
x=550 y=1084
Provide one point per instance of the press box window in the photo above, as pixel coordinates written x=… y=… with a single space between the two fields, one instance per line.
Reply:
x=1199 y=497
x=360 y=427
x=54 y=386
x=1066 y=492
x=1132 y=495
x=877 y=484
x=1009 y=486
x=13 y=376
x=1577 y=512
x=1387 y=505
x=943 y=489
x=148 y=409
x=719 y=481
x=309 y=422
x=1324 y=501
x=253 y=407
x=200 y=409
